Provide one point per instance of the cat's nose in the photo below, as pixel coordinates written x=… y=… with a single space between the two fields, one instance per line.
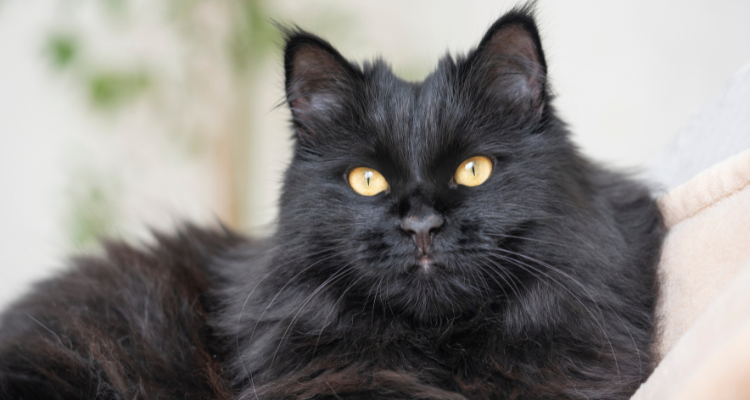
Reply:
x=421 y=229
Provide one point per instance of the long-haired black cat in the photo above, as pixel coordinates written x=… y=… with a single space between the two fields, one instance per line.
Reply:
x=436 y=240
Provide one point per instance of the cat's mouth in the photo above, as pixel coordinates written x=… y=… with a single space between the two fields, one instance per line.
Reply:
x=425 y=265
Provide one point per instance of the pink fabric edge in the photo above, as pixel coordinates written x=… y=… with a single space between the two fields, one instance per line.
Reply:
x=705 y=189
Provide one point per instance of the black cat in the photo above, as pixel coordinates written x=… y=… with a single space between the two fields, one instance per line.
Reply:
x=436 y=240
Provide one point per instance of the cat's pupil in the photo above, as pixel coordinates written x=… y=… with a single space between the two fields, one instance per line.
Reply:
x=471 y=165
x=368 y=175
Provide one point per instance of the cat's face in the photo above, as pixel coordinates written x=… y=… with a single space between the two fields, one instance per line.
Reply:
x=373 y=192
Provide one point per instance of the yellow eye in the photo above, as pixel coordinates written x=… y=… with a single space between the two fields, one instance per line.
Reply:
x=367 y=181
x=474 y=171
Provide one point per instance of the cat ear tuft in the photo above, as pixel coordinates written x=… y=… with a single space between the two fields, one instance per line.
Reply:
x=318 y=79
x=511 y=62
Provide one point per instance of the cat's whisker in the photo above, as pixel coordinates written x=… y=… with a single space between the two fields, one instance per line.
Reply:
x=367 y=299
x=375 y=298
x=333 y=278
x=528 y=239
x=333 y=309
x=478 y=278
x=387 y=299
x=492 y=272
x=507 y=277
x=260 y=318
x=576 y=296
x=594 y=249
x=239 y=318
x=591 y=296
x=276 y=268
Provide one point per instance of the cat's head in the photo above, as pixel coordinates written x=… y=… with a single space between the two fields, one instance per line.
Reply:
x=412 y=194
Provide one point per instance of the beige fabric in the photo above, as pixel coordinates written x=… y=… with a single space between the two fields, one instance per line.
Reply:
x=712 y=359
x=704 y=306
x=706 y=189
x=708 y=241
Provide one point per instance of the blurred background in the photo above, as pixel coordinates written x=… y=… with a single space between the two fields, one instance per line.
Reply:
x=119 y=116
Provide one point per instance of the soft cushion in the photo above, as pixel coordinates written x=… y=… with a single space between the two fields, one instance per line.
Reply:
x=704 y=306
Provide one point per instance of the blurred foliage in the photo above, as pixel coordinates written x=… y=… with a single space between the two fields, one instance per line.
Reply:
x=92 y=212
x=252 y=35
x=115 y=7
x=108 y=90
x=219 y=44
x=62 y=50
x=248 y=39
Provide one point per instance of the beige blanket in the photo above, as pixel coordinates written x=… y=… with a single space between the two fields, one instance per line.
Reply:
x=704 y=308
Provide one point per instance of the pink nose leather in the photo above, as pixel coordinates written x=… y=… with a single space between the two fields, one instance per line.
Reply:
x=421 y=229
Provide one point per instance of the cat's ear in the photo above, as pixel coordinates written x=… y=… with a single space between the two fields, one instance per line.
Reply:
x=509 y=61
x=318 y=80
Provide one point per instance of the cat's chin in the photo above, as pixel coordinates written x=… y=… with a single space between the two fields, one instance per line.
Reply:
x=429 y=291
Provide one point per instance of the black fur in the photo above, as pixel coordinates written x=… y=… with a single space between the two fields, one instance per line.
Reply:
x=541 y=284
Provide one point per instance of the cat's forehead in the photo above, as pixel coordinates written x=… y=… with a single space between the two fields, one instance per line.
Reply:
x=417 y=121
x=466 y=106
